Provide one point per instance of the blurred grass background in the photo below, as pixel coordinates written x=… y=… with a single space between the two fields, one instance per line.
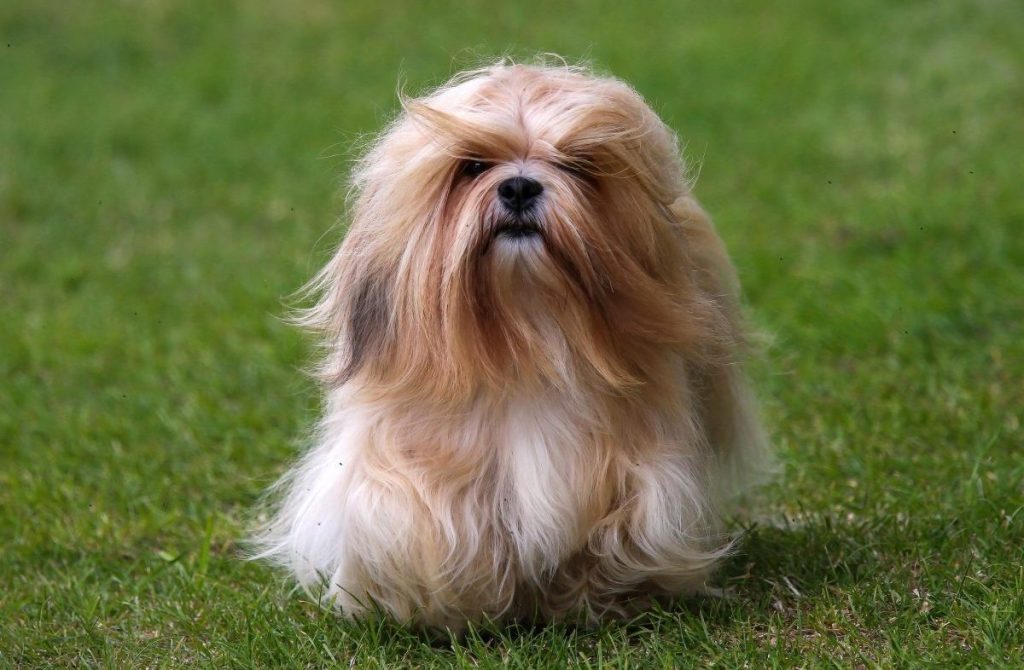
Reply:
x=169 y=173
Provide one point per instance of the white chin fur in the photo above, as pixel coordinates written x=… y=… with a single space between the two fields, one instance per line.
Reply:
x=518 y=246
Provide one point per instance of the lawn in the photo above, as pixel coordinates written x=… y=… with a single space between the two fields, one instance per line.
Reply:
x=170 y=173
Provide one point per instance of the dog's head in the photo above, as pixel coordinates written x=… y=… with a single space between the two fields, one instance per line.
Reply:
x=513 y=226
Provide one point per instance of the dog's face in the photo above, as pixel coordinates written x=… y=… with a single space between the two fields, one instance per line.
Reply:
x=514 y=224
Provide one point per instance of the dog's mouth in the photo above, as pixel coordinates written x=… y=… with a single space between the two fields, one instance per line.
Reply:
x=513 y=232
x=517 y=229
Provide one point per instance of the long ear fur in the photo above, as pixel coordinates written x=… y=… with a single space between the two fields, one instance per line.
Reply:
x=366 y=331
x=730 y=412
x=353 y=312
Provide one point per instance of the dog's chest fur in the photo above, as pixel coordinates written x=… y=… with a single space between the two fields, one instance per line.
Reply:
x=516 y=500
x=529 y=468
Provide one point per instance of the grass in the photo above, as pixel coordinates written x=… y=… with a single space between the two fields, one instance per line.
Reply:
x=167 y=174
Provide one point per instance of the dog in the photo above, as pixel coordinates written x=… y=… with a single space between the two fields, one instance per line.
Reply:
x=534 y=401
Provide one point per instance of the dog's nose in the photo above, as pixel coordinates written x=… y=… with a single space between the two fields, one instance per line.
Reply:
x=518 y=193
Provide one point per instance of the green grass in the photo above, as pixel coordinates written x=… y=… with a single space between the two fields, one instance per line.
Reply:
x=168 y=172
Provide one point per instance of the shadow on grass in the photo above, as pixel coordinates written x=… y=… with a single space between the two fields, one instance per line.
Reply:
x=776 y=570
x=798 y=559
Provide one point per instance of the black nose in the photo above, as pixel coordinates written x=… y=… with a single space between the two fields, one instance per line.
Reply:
x=518 y=193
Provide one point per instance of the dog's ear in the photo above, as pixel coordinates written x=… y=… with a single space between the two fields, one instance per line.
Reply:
x=706 y=253
x=352 y=313
x=729 y=410
x=368 y=318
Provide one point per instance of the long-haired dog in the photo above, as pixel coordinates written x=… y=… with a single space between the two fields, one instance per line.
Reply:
x=534 y=403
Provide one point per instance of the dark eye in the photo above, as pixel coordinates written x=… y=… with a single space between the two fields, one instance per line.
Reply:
x=475 y=168
x=581 y=168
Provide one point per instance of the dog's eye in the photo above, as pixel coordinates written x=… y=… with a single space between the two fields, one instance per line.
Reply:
x=475 y=168
x=581 y=168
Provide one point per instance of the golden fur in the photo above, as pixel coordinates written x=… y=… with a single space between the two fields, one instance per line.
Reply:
x=541 y=427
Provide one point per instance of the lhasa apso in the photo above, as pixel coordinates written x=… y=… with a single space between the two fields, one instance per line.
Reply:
x=534 y=401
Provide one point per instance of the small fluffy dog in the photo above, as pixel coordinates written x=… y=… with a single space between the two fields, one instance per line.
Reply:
x=534 y=403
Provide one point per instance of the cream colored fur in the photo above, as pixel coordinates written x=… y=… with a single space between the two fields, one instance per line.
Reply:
x=543 y=427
